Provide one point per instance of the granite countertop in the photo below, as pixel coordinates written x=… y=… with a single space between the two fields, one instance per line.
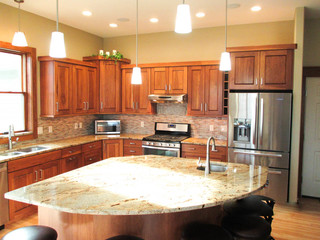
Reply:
x=141 y=185
x=68 y=142
x=203 y=141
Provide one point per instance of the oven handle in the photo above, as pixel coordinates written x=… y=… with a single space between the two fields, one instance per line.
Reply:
x=161 y=148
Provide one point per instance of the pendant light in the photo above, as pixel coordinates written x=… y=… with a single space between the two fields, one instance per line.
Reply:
x=183 y=19
x=225 y=61
x=136 y=72
x=57 y=46
x=19 y=39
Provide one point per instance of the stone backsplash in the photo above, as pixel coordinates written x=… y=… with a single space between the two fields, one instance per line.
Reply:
x=176 y=113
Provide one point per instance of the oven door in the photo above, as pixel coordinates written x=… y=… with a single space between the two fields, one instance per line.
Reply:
x=170 y=152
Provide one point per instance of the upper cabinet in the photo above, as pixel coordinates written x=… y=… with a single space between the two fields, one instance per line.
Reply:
x=205 y=87
x=168 y=80
x=67 y=87
x=269 y=69
x=135 y=97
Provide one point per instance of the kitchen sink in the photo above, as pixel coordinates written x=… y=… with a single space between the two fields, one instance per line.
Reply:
x=9 y=154
x=33 y=149
x=214 y=167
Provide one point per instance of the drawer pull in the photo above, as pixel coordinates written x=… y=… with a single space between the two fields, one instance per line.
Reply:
x=91 y=146
x=41 y=174
x=36 y=172
x=70 y=151
x=132 y=151
x=192 y=148
x=132 y=143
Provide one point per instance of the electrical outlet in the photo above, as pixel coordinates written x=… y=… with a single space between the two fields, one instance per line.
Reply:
x=40 y=130
x=211 y=128
x=223 y=129
x=50 y=129
x=80 y=124
x=142 y=123
x=76 y=126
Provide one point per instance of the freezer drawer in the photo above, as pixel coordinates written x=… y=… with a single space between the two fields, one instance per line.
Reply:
x=278 y=185
x=262 y=158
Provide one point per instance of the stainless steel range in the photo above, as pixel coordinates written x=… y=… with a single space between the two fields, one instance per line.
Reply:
x=167 y=139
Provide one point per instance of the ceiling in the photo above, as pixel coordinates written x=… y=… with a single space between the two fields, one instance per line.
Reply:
x=105 y=12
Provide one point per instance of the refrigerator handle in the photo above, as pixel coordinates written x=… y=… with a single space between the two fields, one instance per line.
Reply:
x=255 y=128
x=259 y=154
x=261 y=122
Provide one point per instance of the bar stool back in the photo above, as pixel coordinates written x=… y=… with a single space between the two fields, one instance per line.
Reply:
x=204 y=231
x=32 y=233
x=124 y=237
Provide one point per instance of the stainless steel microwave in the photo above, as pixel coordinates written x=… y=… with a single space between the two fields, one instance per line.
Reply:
x=107 y=127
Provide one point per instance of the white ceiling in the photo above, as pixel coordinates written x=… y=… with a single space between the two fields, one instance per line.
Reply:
x=108 y=11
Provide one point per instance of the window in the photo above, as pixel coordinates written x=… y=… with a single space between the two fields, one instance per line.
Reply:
x=18 y=104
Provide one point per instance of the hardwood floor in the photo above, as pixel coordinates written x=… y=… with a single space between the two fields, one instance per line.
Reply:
x=291 y=221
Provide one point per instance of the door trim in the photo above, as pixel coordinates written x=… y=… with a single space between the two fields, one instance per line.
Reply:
x=307 y=72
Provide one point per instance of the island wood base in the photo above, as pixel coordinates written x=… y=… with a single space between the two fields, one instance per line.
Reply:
x=166 y=226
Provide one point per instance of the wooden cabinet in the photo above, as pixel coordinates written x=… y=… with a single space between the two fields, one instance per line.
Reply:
x=168 y=80
x=91 y=152
x=200 y=151
x=135 y=97
x=85 y=90
x=112 y=148
x=132 y=147
x=205 y=87
x=71 y=159
x=67 y=87
x=265 y=70
x=28 y=170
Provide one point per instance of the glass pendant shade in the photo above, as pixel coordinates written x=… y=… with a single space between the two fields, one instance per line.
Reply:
x=183 y=19
x=57 y=47
x=225 y=62
x=19 y=40
x=136 y=76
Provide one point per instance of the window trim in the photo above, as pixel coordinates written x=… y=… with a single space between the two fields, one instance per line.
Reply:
x=31 y=115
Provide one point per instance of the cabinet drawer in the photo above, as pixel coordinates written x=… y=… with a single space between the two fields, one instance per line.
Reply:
x=193 y=148
x=132 y=143
x=90 y=146
x=196 y=151
x=132 y=151
x=92 y=156
x=71 y=151
x=71 y=163
x=33 y=160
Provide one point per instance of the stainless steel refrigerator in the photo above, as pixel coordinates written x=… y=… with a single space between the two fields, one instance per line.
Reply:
x=259 y=134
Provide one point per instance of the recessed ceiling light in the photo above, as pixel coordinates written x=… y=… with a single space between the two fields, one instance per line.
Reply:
x=123 y=19
x=255 y=8
x=154 y=20
x=233 y=5
x=113 y=25
x=87 y=13
x=200 y=14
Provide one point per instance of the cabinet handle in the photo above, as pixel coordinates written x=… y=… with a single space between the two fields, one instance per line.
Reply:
x=57 y=106
x=201 y=107
x=70 y=159
x=132 y=151
x=275 y=172
x=41 y=171
x=137 y=105
x=261 y=81
x=132 y=105
x=101 y=105
x=36 y=172
x=256 y=81
x=85 y=107
x=91 y=146
x=132 y=143
x=70 y=151
x=169 y=87
x=205 y=107
x=192 y=148
x=165 y=87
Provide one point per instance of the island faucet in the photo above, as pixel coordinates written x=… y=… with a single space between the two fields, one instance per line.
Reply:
x=207 y=167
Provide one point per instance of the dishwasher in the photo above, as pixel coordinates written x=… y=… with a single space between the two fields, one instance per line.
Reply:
x=4 y=203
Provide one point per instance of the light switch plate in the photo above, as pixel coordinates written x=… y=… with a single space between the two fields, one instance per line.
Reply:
x=40 y=130
x=50 y=129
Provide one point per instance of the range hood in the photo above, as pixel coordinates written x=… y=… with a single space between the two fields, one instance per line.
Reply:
x=182 y=98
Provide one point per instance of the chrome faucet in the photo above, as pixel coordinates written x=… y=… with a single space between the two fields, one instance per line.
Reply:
x=10 y=135
x=207 y=167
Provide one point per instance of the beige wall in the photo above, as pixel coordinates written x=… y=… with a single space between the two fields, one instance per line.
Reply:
x=201 y=44
x=312 y=43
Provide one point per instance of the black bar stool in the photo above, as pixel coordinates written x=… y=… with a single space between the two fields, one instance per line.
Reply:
x=251 y=205
x=32 y=233
x=124 y=237
x=204 y=231
x=248 y=227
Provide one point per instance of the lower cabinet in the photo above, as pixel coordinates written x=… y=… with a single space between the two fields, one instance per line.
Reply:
x=112 y=148
x=132 y=147
x=91 y=152
x=71 y=163
x=200 y=151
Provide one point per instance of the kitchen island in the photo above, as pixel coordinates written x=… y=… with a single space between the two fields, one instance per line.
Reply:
x=148 y=196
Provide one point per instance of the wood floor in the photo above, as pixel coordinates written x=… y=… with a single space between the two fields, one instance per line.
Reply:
x=291 y=221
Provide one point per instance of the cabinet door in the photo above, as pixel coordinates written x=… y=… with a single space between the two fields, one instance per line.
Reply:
x=159 y=80
x=213 y=91
x=178 y=80
x=196 y=91
x=141 y=92
x=17 y=180
x=80 y=89
x=93 y=90
x=112 y=148
x=110 y=87
x=48 y=170
x=127 y=92
x=71 y=163
x=276 y=69
x=62 y=88
x=244 y=72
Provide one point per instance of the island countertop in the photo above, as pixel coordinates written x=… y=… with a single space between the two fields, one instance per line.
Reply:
x=140 y=185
